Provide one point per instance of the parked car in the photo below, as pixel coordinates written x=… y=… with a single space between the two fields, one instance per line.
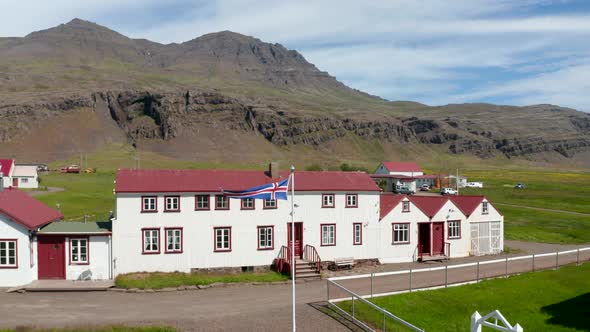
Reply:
x=404 y=190
x=474 y=185
x=448 y=191
x=42 y=168
x=519 y=186
x=424 y=187
x=70 y=169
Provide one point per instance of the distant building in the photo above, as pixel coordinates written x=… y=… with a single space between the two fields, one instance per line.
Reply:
x=402 y=175
x=18 y=176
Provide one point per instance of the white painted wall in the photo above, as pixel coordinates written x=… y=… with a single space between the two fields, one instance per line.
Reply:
x=98 y=266
x=25 y=273
x=492 y=215
x=27 y=182
x=449 y=211
x=198 y=245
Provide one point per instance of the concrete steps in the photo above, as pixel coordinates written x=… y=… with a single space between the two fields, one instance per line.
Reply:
x=306 y=270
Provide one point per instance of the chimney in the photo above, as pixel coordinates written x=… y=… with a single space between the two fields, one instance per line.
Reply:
x=273 y=169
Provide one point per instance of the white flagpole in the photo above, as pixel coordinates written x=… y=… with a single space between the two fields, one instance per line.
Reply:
x=293 y=241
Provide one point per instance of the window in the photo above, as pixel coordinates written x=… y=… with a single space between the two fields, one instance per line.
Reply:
x=405 y=206
x=24 y=180
x=79 y=251
x=357 y=233
x=172 y=203
x=149 y=204
x=222 y=238
x=327 y=200
x=270 y=204
x=351 y=200
x=265 y=237
x=328 y=234
x=401 y=233
x=8 y=254
x=151 y=241
x=173 y=240
x=454 y=229
x=484 y=208
x=247 y=203
x=202 y=202
x=221 y=202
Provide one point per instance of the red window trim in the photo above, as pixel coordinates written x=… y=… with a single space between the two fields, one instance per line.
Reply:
x=393 y=232
x=149 y=211
x=353 y=234
x=449 y=230
x=215 y=239
x=15 y=254
x=258 y=236
x=346 y=199
x=87 y=238
x=166 y=251
x=247 y=208
x=270 y=208
x=322 y=235
x=333 y=201
x=197 y=208
x=166 y=205
x=228 y=203
x=403 y=209
x=143 y=252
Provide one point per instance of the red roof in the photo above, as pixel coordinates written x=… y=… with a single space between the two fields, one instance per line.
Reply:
x=139 y=181
x=398 y=166
x=26 y=210
x=430 y=205
x=387 y=202
x=6 y=166
x=467 y=204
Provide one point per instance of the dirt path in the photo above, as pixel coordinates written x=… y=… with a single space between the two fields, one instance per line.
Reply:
x=233 y=308
x=544 y=209
x=50 y=190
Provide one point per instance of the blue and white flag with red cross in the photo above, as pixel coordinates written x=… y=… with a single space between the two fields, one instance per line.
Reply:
x=275 y=190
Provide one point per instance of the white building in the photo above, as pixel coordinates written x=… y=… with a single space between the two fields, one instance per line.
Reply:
x=18 y=176
x=6 y=170
x=179 y=220
x=34 y=246
x=402 y=175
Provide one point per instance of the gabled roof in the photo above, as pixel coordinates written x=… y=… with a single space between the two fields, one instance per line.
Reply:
x=467 y=204
x=26 y=210
x=430 y=205
x=388 y=202
x=78 y=227
x=152 y=181
x=6 y=166
x=24 y=171
x=401 y=166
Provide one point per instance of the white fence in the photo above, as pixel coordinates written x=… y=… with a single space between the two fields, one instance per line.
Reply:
x=363 y=286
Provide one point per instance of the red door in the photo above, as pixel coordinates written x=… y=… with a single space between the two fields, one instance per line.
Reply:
x=424 y=238
x=15 y=182
x=438 y=240
x=51 y=257
x=298 y=238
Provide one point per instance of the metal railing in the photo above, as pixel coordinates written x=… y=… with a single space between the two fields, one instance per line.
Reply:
x=284 y=259
x=352 y=311
x=310 y=254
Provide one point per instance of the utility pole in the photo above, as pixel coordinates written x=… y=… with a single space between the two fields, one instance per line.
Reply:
x=457 y=181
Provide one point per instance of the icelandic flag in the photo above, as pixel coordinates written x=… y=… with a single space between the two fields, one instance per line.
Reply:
x=275 y=190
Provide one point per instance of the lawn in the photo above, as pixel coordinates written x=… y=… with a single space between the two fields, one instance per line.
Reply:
x=158 y=280
x=539 y=301
x=114 y=328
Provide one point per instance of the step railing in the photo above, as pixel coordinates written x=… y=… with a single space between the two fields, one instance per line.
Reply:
x=420 y=249
x=283 y=258
x=447 y=252
x=310 y=254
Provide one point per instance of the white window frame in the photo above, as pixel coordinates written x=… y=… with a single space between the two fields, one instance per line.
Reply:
x=328 y=200
x=172 y=203
x=151 y=237
x=222 y=199
x=75 y=258
x=403 y=229
x=24 y=180
x=454 y=229
x=357 y=231
x=245 y=205
x=328 y=234
x=200 y=199
x=265 y=237
x=7 y=253
x=152 y=203
x=225 y=244
x=405 y=206
x=174 y=239
x=485 y=207
x=270 y=204
x=351 y=200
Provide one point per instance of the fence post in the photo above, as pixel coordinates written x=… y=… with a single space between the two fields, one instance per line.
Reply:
x=353 y=307
x=477 y=270
x=371 y=284
x=410 y=280
x=533 y=262
x=383 y=322
x=578 y=258
x=506 y=274
x=328 y=289
x=446 y=275
x=557 y=260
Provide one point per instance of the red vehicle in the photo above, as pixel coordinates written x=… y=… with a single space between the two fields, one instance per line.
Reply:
x=70 y=169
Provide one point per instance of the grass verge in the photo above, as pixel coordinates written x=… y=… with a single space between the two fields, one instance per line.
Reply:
x=556 y=300
x=158 y=280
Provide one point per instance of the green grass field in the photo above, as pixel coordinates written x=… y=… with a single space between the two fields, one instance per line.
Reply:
x=539 y=301
x=176 y=279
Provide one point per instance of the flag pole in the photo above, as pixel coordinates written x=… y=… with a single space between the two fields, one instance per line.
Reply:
x=293 y=241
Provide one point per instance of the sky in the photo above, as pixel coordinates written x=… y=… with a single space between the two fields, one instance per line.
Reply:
x=517 y=52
